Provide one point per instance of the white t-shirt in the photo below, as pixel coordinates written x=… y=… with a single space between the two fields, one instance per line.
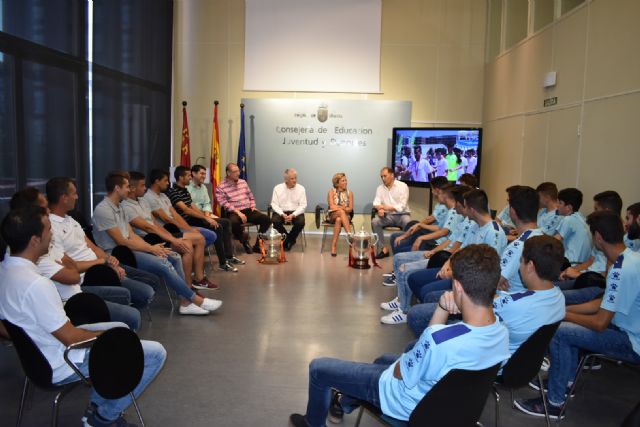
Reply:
x=289 y=199
x=421 y=170
x=49 y=264
x=30 y=301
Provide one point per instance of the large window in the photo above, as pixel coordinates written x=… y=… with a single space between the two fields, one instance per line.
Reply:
x=54 y=115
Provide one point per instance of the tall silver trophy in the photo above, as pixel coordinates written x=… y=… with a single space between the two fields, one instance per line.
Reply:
x=361 y=243
x=272 y=244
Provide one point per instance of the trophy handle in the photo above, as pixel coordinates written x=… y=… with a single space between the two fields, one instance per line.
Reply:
x=347 y=236
x=375 y=239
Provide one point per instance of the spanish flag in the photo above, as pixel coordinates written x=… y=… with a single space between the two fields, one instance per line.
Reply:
x=215 y=159
x=185 y=151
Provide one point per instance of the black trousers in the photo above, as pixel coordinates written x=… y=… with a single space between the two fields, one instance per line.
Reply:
x=223 y=242
x=254 y=217
x=292 y=235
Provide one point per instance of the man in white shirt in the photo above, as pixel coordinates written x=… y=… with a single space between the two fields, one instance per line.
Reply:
x=30 y=301
x=288 y=202
x=421 y=170
x=391 y=205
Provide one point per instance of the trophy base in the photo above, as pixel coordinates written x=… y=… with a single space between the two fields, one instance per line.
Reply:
x=361 y=264
x=271 y=261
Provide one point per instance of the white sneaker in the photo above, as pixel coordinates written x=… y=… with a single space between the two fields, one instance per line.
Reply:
x=392 y=274
x=395 y=318
x=392 y=305
x=544 y=367
x=193 y=309
x=211 y=304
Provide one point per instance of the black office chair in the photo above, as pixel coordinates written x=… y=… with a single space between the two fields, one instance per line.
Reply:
x=84 y=308
x=110 y=375
x=457 y=400
x=586 y=363
x=438 y=259
x=524 y=365
x=633 y=419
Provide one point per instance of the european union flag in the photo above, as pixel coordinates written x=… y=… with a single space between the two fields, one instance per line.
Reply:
x=242 y=153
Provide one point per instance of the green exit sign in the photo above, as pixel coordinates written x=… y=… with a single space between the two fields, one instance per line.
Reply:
x=550 y=101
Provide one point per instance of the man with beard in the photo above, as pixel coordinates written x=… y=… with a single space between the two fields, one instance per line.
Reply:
x=632 y=227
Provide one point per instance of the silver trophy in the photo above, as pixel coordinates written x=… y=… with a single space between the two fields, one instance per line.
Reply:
x=272 y=243
x=362 y=242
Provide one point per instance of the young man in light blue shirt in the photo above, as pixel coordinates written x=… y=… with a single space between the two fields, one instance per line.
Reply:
x=522 y=313
x=397 y=384
x=573 y=231
x=548 y=217
x=609 y=325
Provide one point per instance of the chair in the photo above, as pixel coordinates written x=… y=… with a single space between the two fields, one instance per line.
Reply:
x=524 y=365
x=457 y=400
x=633 y=419
x=84 y=308
x=116 y=366
x=322 y=222
x=285 y=225
x=586 y=363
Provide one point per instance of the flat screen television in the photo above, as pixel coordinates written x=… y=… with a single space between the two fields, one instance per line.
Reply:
x=419 y=154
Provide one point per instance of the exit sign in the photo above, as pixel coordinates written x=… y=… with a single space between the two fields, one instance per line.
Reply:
x=550 y=101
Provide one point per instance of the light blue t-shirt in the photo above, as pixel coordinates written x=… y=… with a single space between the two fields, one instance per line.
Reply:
x=452 y=221
x=510 y=262
x=440 y=213
x=576 y=238
x=524 y=312
x=599 y=264
x=505 y=218
x=469 y=235
x=548 y=221
x=492 y=235
x=622 y=295
x=440 y=349
x=462 y=230
x=634 y=245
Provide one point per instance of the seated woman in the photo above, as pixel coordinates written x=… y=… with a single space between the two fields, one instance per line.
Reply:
x=340 y=208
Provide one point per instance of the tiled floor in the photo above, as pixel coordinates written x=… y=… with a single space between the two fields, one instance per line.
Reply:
x=246 y=365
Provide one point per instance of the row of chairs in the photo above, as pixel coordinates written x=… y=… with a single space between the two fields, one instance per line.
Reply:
x=116 y=360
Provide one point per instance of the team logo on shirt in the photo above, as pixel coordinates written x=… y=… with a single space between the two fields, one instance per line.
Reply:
x=611 y=298
x=418 y=355
x=409 y=363
x=615 y=275
x=614 y=286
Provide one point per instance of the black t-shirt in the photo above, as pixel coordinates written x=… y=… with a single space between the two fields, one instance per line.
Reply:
x=177 y=194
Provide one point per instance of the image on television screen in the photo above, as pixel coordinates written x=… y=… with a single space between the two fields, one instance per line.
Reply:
x=420 y=154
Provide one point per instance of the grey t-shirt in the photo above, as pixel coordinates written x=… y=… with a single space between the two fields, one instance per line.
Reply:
x=134 y=209
x=158 y=201
x=106 y=216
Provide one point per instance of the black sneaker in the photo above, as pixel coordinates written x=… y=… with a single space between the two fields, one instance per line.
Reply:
x=336 y=413
x=535 y=407
x=228 y=267
x=234 y=260
x=534 y=384
x=247 y=247
x=298 y=420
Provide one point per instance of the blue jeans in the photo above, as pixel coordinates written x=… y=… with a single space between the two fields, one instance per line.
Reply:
x=129 y=291
x=142 y=276
x=117 y=300
x=354 y=379
x=579 y=296
x=163 y=268
x=154 y=358
x=403 y=265
x=565 y=348
x=210 y=236
x=423 y=282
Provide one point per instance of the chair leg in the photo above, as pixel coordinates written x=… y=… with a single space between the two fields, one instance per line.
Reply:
x=135 y=405
x=357 y=424
x=496 y=396
x=544 y=401
x=169 y=294
x=23 y=399
x=148 y=310
x=583 y=361
x=324 y=236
